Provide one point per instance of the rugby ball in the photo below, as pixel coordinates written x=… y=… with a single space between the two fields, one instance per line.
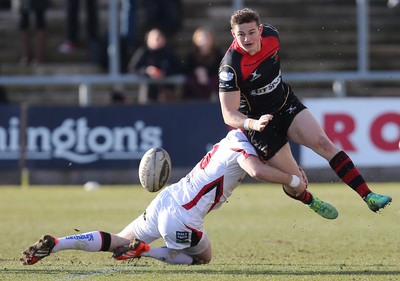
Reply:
x=155 y=169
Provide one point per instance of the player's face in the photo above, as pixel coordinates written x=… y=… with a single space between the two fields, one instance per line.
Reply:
x=248 y=36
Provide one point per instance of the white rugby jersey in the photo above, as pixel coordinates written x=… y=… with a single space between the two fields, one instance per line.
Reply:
x=213 y=179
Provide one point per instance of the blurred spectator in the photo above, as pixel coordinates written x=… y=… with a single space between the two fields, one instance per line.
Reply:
x=166 y=15
x=156 y=59
x=38 y=7
x=3 y=95
x=5 y=4
x=129 y=32
x=73 y=37
x=129 y=20
x=201 y=66
x=117 y=97
x=393 y=3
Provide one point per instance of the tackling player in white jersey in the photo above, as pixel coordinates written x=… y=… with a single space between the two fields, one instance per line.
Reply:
x=177 y=213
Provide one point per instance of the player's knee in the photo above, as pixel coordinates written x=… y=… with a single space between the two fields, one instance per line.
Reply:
x=324 y=146
x=202 y=260
x=204 y=257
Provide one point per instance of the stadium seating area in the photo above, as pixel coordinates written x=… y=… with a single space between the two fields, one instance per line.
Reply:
x=316 y=35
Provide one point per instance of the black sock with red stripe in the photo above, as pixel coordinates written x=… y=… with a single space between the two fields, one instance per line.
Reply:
x=349 y=174
x=106 y=241
x=305 y=197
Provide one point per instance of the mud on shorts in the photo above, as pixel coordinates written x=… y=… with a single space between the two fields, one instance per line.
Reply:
x=274 y=136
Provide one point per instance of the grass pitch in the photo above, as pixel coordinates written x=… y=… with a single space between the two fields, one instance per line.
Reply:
x=260 y=234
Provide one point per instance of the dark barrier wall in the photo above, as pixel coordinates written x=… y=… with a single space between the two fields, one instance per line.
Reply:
x=112 y=137
x=71 y=145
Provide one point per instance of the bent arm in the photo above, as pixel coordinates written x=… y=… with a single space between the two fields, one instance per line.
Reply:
x=230 y=103
x=229 y=106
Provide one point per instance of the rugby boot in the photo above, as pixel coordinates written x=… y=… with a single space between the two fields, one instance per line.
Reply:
x=323 y=209
x=377 y=202
x=133 y=251
x=39 y=250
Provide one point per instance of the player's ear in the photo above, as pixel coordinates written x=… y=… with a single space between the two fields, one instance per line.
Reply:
x=233 y=33
x=260 y=29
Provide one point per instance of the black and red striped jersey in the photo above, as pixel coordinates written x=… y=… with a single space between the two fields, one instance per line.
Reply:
x=257 y=77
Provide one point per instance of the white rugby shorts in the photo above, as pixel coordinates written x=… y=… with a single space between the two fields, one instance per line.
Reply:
x=165 y=218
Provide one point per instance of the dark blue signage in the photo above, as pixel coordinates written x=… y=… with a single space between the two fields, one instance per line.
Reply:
x=111 y=137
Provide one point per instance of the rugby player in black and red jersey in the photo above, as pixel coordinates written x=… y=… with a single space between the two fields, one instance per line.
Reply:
x=254 y=97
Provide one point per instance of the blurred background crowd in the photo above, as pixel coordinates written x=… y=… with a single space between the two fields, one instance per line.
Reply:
x=159 y=38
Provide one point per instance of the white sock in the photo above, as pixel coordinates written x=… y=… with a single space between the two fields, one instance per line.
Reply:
x=168 y=256
x=89 y=242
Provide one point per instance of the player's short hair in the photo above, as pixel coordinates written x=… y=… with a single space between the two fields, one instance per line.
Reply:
x=244 y=15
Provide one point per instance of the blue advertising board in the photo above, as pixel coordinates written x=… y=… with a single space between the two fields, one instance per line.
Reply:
x=106 y=137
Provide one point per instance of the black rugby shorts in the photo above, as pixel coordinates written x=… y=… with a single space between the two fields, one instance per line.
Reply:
x=274 y=136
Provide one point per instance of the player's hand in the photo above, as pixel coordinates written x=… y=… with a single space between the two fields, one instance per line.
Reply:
x=262 y=122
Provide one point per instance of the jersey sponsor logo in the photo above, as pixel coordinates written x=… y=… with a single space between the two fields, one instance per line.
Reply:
x=267 y=88
x=182 y=237
x=254 y=75
x=226 y=76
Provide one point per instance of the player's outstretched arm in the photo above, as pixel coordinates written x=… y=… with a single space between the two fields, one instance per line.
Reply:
x=264 y=172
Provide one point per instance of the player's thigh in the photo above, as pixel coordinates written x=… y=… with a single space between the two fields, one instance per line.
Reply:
x=306 y=130
x=284 y=161
x=127 y=232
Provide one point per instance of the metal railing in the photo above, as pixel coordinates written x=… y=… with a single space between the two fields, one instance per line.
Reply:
x=85 y=82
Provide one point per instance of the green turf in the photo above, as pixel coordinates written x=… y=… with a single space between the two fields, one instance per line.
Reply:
x=260 y=234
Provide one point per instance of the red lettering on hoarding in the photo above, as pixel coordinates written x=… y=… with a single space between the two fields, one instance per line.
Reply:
x=377 y=132
x=339 y=127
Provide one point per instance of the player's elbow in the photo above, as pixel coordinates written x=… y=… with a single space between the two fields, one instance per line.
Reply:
x=226 y=116
x=255 y=173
